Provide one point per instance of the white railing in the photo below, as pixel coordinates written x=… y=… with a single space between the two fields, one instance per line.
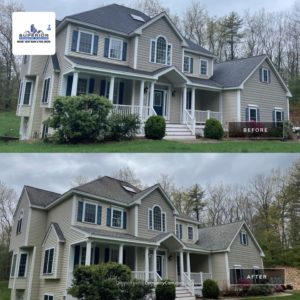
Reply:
x=144 y=112
x=199 y=278
x=188 y=283
x=141 y=275
x=201 y=116
x=189 y=121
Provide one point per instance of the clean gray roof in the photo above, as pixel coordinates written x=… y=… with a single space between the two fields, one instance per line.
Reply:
x=40 y=197
x=113 y=17
x=55 y=63
x=198 y=48
x=233 y=73
x=184 y=216
x=218 y=237
x=207 y=82
x=58 y=232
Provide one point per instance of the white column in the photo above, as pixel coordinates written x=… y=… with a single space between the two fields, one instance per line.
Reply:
x=193 y=102
x=74 y=84
x=221 y=106
x=88 y=253
x=121 y=254
x=133 y=93
x=188 y=264
x=135 y=258
x=146 y=264
x=154 y=264
x=181 y=266
x=141 y=104
x=184 y=104
x=111 y=89
x=152 y=94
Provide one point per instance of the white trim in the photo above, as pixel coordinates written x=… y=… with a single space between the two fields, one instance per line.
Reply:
x=47 y=294
x=67 y=44
x=252 y=107
x=227 y=269
x=203 y=60
x=288 y=108
x=44 y=275
x=80 y=30
x=111 y=217
x=31 y=93
x=26 y=266
x=136 y=47
x=12 y=262
x=31 y=273
x=189 y=69
x=49 y=91
x=83 y=211
x=263 y=75
x=281 y=111
x=187 y=232
x=238 y=106
x=111 y=39
x=136 y=220
x=155 y=52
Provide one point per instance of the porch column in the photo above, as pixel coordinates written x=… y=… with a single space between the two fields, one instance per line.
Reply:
x=181 y=266
x=184 y=104
x=154 y=264
x=188 y=264
x=111 y=89
x=74 y=84
x=88 y=253
x=221 y=106
x=193 y=102
x=152 y=94
x=146 y=264
x=141 y=104
x=121 y=254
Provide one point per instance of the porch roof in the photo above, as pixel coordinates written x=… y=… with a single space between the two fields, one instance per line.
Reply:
x=205 y=82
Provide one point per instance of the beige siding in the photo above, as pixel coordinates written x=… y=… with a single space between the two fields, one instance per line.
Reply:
x=266 y=96
x=185 y=233
x=196 y=67
x=219 y=269
x=176 y=107
x=229 y=107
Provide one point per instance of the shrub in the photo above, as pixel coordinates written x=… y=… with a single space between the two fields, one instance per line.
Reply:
x=210 y=289
x=123 y=127
x=165 y=290
x=155 y=128
x=136 y=290
x=213 y=129
x=80 y=119
x=261 y=290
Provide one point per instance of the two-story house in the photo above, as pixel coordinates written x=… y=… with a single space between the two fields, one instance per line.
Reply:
x=112 y=220
x=145 y=66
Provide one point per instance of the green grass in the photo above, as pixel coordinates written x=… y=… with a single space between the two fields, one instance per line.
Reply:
x=4 y=291
x=295 y=296
x=147 y=146
x=9 y=123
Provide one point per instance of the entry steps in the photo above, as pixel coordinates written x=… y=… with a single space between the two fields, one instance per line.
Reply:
x=178 y=132
x=183 y=294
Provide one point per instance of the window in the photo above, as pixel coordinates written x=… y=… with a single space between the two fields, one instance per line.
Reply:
x=46 y=90
x=48 y=261
x=25 y=59
x=115 y=49
x=19 y=224
x=27 y=93
x=85 y=42
x=188 y=64
x=13 y=265
x=278 y=115
x=157 y=219
x=82 y=86
x=45 y=131
x=190 y=232
x=244 y=238
x=203 y=67
x=48 y=297
x=161 y=51
x=22 y=265
x=116 y=218
x=252 y=113
x=265 y=75
x=179 y=230
x=114 y=254
x=89 y=212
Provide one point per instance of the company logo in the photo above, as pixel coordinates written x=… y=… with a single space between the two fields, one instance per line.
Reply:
x=35 y=35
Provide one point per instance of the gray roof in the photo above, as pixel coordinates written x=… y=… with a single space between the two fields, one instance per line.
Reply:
x=218 y=237
x=198 y=48
x=40 y=197
x=55 y=63
x=233 y=73
x=207 y=82
x=186 y=217
x=113 y=17
x=58 y=232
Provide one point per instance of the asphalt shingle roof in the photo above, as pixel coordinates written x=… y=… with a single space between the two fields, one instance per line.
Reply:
x=40 y=197
x=58 y=232
x=207 y=82
x=218 y=237
x=55 y=63
x=198 y=48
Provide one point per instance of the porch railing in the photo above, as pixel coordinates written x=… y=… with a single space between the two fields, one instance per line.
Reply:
x=143 y=111
x=201 y=116
x=188 y=283
x=141 y=275
x=189 y=121
x=199 y=278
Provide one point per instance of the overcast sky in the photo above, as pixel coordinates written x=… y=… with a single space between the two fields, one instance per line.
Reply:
x=214 y=7
x=55 y=172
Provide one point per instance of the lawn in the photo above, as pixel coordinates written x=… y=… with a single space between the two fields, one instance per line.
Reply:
x=9 y=124
x=147 y=146
x=4 y=291
x=295 y=296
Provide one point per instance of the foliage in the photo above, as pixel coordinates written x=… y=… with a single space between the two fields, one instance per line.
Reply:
x=165 y=290
x=123 y=127
x=9 y=124
x=80 y=119
x=155 y=128
x=213 y=129
x=210 y=289
x=294 y=86
x=261 y=290
x=136 y=290
x=4 y=291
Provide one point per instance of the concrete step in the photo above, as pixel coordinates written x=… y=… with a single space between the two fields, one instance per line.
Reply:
x=185 y=298
x=184 y=129
x=179 y=137
x=178 y=133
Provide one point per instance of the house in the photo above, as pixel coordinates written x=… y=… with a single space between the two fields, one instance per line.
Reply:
x=112 y=220
x=145 y=66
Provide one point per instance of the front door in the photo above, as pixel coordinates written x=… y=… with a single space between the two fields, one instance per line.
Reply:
x=159 y=264
x=159 y=102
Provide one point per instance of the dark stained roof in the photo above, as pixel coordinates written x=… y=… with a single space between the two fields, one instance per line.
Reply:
x=55 y=63
x=218 y=237
x=233 y=73
x=58 y=232
x=186 y=217
x=40 y=197
x=207 y=82
x=112 y=17
x=198 y=48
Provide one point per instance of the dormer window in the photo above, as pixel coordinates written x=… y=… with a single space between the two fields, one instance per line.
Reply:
x=161 y=51
x=244 y=238
x=203 y=67
x=179 y=230
x=190 y=232
x=157 y=219
x=188 y=64
x=19 y=224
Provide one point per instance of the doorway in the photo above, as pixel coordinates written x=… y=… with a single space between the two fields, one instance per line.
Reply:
x=159 y=101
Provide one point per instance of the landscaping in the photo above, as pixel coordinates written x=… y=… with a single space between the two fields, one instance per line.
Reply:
x=9 y=124
x=4 y=291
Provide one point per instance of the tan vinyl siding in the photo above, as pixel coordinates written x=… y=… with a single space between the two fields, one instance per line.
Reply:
x=266 y=96
x=196 y=66
x=176 y=106
x=229 y=106
x=184 y=231
x=158 y=28
x=219 y=269
x=247 y=256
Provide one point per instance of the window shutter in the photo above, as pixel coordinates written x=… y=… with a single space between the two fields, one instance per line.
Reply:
x=124 y=56
x=108 y=217
x=150 y=218
x=45 y=261
x=106 y=255
x=102 y=87
x=99 y=215
x=260 y=74
x=192 y=65
x=269 y=75
x=91 y=85
x=247 y=114
x=241 y=238
x=124 y=220
x=274 y=116
x=97 y=256
x=76 y=255
x=106 y=47
x=80 y=211
x=121 y=93
x=51 y=253
x=96 y=42
x=69 y=85
x=180 y=231
x=258 y=115
x=74 y=40
x=164 y=222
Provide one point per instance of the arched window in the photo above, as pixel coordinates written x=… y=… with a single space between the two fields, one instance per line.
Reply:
x=161 y=51
x=157 y=218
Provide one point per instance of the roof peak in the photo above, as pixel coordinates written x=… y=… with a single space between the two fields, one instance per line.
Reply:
x=35 y=188
x=226 y=224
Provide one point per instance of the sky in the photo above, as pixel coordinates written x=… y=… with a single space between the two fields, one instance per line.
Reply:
x=55 y=172
x=214 y=7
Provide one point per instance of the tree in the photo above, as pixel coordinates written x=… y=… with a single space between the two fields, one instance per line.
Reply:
x=167 y=183
x=196 y=200
x=79 y=180
x=150 y=7
x=128 y=174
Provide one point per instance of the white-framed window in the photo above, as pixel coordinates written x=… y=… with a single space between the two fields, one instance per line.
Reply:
x=157 y=219
x=22 y=270
x=265 y=75
x=48 y=261
x=46 y=90
x=115 y=48
x=252 y=113
x=188 y=64
x=190 y=232
x=204 y=67
x=179 y=230
x=278 y=115
x=20 y=221
x=244 y=238
x=13 y=265
x=161 y=51
x=116 y=217
x=85 y=42
x=48 y=297
x=89 y=212
x=27 y=93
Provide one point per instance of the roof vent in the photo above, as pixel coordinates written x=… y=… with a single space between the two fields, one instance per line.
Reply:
x=129 y=189
x=137 y=18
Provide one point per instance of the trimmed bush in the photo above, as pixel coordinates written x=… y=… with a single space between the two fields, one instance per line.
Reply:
x=261 y=290
x=155 y=128
x=136 y=290
x=213 y=130
x=165 y=290
x=210 y=289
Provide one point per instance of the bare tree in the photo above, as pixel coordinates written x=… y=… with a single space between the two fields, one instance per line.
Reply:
x=79 y=180
x=150 y=7
x=167 y=183
x=128 y=174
